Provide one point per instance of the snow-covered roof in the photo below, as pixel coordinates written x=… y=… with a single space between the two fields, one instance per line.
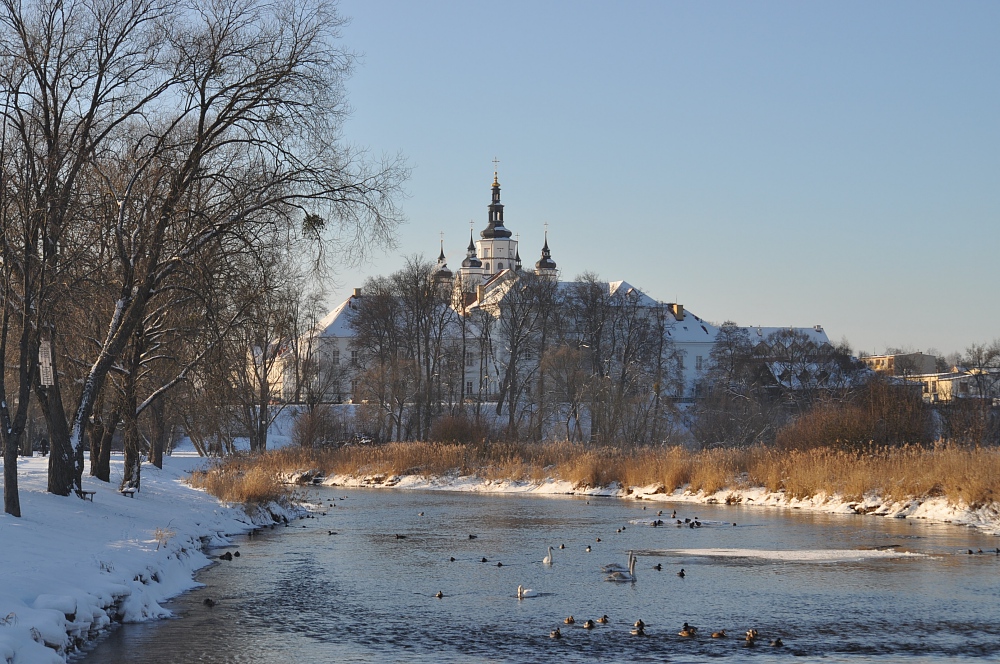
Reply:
x=815 y=334
x=337 y=323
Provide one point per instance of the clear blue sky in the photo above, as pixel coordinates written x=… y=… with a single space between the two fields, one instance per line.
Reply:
x=772 y=163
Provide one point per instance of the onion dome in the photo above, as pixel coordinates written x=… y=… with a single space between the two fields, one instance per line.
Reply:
x=470 y=256
x=546 y=262
x=442 y=273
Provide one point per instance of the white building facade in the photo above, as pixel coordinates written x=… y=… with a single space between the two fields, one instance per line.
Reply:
x=492 y=263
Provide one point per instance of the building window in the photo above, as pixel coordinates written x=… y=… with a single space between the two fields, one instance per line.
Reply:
x=697 y=362
x=354 y=357
x=470 y=359
x=468 y=387
x=335 y=356
x=499 y=266
x=486 y=266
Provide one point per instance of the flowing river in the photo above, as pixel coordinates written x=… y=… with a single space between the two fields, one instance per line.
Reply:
x=831 y=587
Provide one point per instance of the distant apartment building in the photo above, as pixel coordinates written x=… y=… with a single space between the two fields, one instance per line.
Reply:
x=958 y=384
x=901 y=364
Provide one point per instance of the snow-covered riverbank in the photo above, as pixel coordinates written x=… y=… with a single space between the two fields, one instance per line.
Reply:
x=71 y=567
x=939 y=510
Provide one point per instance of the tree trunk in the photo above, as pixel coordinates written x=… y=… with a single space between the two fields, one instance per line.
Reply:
x=133 y=451
x=104 y=433
x=62 y=475
x=132 y=477
x=158 y=432
x=11 y=500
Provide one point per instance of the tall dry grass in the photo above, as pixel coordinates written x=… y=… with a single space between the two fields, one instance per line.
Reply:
x=241 y=479
x=968 y=475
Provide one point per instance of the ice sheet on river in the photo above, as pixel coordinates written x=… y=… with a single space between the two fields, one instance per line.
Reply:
x=791 y=555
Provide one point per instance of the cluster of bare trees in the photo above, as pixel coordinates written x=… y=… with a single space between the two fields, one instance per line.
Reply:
x=158 y=160
x=975 y=418
x=532 y=359
x=753 y=387
x=790 y=390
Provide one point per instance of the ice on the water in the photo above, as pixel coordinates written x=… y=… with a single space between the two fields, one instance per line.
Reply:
x=793 y=555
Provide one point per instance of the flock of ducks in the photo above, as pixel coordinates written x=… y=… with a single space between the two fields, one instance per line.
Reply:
x=618 y=573
x=687 y=631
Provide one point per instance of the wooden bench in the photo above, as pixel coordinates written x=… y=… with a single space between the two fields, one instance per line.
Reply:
x=128 y=492
x=86 y=495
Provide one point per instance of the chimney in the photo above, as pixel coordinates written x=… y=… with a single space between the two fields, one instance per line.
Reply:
x=677 y=310
x=357 y=292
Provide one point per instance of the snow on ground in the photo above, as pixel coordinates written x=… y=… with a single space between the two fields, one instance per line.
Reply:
x=985 y=518
x=70 y=566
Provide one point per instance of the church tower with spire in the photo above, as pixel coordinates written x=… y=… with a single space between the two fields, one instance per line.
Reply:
x=496 y=250
x=442 y=275
x=546 y=267
x=471 y=271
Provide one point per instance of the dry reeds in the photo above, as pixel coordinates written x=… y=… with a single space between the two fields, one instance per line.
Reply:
x=241 y=479
x=967 y=475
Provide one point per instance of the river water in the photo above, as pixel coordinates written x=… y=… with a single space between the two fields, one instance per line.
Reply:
x=832 y=587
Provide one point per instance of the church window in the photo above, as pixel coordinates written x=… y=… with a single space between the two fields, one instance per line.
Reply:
x=499 y=266
x=486 y=266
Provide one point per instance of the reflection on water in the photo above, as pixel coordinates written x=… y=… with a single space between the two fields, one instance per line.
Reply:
x=832 y=587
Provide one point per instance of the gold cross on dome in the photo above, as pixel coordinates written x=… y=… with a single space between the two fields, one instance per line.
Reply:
x=495 y=162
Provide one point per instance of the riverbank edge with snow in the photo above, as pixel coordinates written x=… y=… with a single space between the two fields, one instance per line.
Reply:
x=935 y=510
x=73 y=568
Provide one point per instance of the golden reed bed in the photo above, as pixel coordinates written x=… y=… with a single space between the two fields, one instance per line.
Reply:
x=962 y=475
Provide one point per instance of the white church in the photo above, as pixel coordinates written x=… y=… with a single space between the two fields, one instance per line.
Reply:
x=491 y=263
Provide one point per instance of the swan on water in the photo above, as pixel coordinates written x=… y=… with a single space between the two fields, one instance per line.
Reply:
x=523 y=592
x=624 y=576
x=547 y=560
x=615 y=567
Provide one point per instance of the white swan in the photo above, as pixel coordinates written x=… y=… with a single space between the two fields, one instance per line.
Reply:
x=523 y=592
x=615 y=567
x=624 y=577
x=547 y=560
